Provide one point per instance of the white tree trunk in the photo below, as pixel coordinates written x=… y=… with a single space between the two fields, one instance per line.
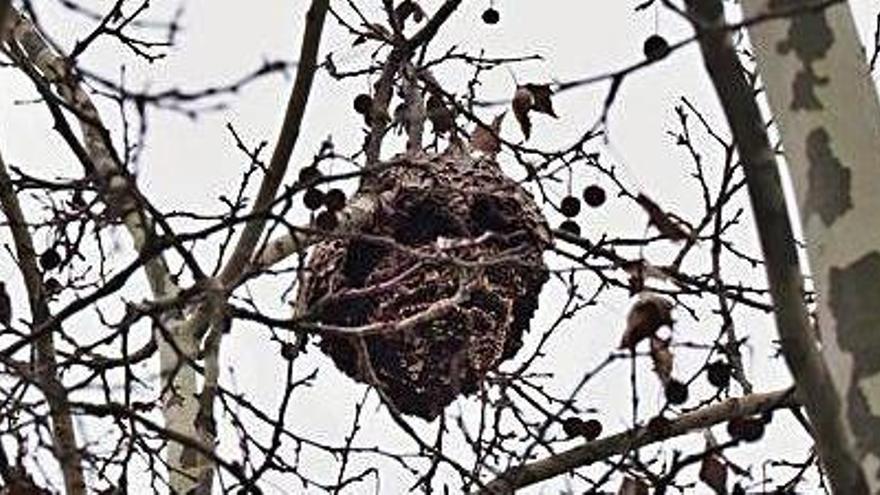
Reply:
x=179 y=399
x=825 y=104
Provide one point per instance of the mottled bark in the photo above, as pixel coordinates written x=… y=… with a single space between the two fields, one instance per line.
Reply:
x=784 y=273
x=176 y=344
x=825 y=104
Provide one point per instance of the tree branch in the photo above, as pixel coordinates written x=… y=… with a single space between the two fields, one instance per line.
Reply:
x=118 y=191
x=533 y=472
x=385 y=85
x=296 y=107
x=66 y=451
x=784 y=272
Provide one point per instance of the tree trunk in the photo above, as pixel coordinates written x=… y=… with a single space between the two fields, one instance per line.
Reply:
x=800 y=347
x=824 y=102
x=177 y=344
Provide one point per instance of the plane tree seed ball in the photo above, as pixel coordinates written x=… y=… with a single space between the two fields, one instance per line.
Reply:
x=656 y=47
x=334 y=200
x=748 y=429
x=572 y=426
x=592 y=429
x=288 y=351
x=659 y=425
x=309 y=174
x=50 y=259
x=594 y=196
x=313 y=198
x=491 y=16
x=754 y=430
x=362 y=103
x=571 y=227
x=718 y=374
x=326 y=220
x=52 y=286
x=589 y=429
x=676 y=392
x=570 y=206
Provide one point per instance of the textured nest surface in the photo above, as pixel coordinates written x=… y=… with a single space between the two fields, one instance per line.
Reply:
x=460 y=222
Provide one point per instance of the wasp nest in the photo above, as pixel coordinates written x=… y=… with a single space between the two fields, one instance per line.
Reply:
x=448 y=293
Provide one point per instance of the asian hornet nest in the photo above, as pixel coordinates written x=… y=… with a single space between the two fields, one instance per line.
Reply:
x=446 y=274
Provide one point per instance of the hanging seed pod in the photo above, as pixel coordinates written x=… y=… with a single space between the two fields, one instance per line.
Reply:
x=570 y=206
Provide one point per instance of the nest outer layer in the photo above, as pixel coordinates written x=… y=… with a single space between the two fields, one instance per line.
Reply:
x=455 y=205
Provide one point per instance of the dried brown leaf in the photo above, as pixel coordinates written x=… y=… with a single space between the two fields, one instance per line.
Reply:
x=434 y=101
x=662 y=357
x=636 y=284
x=523 y=100
x=486 y=139
x=665 y=222
x=636 y=271
x=645 y=317
x=543 y=103
x=632 y=486
x=713 y=472
x=639 y=271
x=457 y=148
x=442 y=119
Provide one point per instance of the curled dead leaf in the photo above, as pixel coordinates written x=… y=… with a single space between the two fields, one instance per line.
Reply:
x=632 y=486
x=486 y=139
x=636 y=271
x=639 y=271
x=713 y=472
x=530 y=97
x=669 y=225
x=441 y=117
x=522 y=103
x=662 y=357
x=542 y=102
x=645 y=317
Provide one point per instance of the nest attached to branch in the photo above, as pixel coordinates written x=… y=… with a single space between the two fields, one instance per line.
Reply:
x=449 y=299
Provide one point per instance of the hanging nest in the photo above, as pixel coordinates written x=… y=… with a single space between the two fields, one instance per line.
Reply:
x=449 y=299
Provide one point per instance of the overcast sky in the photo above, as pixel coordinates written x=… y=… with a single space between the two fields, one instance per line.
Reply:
x=188 y=163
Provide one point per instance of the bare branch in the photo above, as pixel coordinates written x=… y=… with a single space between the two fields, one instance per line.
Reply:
x=534 y=472
x=296 y=107
x=66 y=450
x=784 y=273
